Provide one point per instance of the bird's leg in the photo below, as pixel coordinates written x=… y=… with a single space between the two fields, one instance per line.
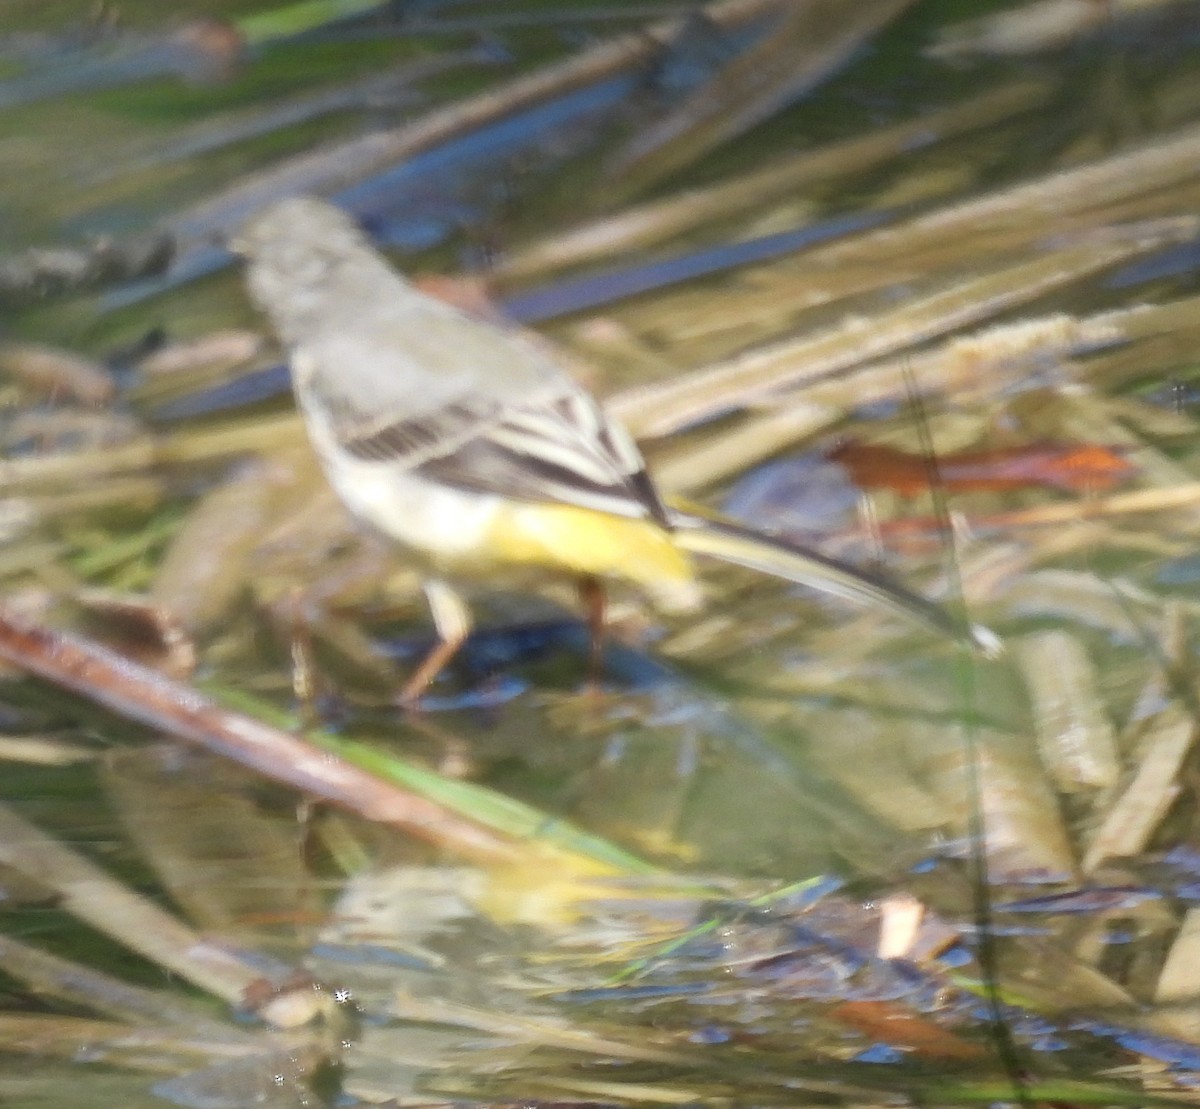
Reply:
x=304 y=665
x=591 y=593
x=452 y=621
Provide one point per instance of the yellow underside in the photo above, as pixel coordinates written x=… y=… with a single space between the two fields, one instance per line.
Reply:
x=585 y=542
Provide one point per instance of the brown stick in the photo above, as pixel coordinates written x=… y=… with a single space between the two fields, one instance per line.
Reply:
x=144 y=695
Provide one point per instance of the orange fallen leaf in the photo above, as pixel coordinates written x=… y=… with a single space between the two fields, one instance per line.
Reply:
x=889 y=1023
x=1073 y=467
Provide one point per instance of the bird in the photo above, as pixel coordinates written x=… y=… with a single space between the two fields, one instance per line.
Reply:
x=469 y=446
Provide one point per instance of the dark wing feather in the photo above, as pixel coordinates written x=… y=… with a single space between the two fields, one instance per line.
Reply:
x=562 y=450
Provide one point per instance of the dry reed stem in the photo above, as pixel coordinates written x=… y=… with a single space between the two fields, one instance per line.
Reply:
x=331 y=168
x=647 y=224
x=808 y=42
x=661 y=408
x=89 y=894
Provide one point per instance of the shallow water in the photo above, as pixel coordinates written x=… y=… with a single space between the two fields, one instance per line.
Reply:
x=777 y=736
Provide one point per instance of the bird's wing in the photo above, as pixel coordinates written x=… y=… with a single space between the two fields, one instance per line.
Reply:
x=476 y=407
x=563 y=450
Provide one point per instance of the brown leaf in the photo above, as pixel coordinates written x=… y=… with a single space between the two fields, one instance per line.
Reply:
x=1073 y=467
x=889 y=1023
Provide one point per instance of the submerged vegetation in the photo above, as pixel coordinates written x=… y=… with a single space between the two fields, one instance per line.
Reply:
x=913 y=281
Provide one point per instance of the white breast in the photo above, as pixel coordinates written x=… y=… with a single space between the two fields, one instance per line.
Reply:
x=439 y=522
x=443 y=524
